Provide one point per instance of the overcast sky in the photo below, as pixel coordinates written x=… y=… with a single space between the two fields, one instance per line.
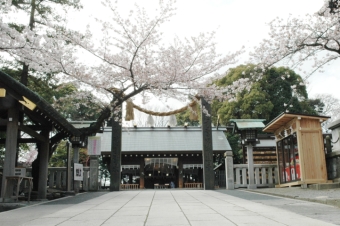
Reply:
x=237 y=23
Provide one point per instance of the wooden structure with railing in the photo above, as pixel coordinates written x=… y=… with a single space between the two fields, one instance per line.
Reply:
x=129 y=186
x=193 y=185
x=299 y=148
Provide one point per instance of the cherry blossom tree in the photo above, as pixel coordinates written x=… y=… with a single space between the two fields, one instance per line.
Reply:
x=330 y=106
x=309 y=42
x=132 y=59
x=28 y=36
x=129 y=59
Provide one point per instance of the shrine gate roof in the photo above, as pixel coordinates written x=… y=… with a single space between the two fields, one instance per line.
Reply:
x=33 y=105
x=160 y=139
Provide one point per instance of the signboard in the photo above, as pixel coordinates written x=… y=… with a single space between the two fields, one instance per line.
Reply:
x=78 y=171
x=21 y=172
x=93 y=146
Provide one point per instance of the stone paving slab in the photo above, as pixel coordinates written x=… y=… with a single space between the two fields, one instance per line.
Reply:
x=171 y=207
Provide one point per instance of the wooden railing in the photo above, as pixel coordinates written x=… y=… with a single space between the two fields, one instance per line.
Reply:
x=57 y=178
x=265 y=175
x=129 y=186
x=193 y=185
x=161 y=186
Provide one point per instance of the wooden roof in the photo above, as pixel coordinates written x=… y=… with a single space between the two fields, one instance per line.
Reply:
x=284 y=118
x=41 y=112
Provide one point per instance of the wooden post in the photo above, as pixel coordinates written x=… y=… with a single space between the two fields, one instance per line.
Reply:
x=141 y=173
x=328 y=144
x=68 y=168
x=76 y=183
x=43 y=167
x=180 y=172
x=10 y=153
x=208 y=167
x=116 y=147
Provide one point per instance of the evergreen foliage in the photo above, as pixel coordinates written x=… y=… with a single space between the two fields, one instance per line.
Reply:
x=268 y=97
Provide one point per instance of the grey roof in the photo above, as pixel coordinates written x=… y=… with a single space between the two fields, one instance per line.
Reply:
x=175 y=139
x=81 y=124
x=334 y=125
x=248 y=123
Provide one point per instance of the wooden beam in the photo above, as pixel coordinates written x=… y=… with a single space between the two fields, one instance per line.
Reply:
x=32 y=133
x=264 y=155
x=22 y=141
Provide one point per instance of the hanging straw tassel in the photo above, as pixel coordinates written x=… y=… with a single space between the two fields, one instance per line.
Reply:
x=150 y=122
x=129 y=111
x=172 y=121
x=193 y=111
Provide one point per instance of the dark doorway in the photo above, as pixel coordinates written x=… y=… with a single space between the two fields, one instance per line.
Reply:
x=160 y=171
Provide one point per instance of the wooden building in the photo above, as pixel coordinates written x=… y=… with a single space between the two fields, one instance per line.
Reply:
x=264 y=152
x=25 y=117
x=159 y=156
x=299 y=148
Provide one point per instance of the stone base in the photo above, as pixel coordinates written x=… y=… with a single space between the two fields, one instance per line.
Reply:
x=324 y=186
x=252 y=186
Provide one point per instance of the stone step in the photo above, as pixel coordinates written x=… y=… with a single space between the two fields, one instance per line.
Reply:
x=324 y=186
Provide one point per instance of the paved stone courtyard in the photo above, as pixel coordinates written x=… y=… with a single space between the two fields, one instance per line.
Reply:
x=173 y=207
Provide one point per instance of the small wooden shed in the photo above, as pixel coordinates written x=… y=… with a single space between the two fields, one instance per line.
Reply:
x=299 y=148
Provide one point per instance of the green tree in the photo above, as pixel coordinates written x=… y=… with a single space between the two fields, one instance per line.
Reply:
x=65 y=97
x=234 y=141
x=59 y=156
x=277 y=90
x=184 y=117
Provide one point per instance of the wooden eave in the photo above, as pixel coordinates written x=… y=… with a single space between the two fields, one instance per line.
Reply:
x=285 y=118
x=43 y=114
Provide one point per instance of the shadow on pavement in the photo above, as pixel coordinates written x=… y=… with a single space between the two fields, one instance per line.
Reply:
x=82 y=197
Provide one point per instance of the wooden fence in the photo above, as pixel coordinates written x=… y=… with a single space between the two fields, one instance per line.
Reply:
x=129 y=186
x=193 y=185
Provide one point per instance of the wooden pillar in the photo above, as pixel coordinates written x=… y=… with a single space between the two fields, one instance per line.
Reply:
x=116 y=147
x=43 y=166
x=251 y=184
x=68 y=168
x=141 y=173
x=76 y=183
x=180 y=172
x=130 y=178
x=208 y=166
x=11 y=149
